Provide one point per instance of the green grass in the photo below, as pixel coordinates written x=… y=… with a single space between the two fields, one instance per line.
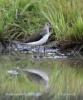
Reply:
x=66 y=17
x=20 y=18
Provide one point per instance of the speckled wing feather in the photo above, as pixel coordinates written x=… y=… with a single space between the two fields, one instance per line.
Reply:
x=37 y=36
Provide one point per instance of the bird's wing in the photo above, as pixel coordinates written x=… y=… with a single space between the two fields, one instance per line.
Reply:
x=35 y=37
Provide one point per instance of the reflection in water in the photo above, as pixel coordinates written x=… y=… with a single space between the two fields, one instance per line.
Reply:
x=64 y=70
x=34 y=75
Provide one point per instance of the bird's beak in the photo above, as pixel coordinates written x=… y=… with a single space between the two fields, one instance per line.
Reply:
x=51 y=26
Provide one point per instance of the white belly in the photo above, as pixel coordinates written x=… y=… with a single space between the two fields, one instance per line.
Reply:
x=40 y=42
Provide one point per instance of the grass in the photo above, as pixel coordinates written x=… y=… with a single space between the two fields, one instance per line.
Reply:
x=66 y=17
x=20 y=18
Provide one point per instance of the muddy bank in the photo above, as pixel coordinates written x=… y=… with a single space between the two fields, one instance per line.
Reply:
x=53 y=43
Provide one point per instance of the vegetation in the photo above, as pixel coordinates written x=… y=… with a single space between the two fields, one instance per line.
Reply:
x=21 y=18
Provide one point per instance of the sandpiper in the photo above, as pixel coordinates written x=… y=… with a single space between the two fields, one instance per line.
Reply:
x=39 y=37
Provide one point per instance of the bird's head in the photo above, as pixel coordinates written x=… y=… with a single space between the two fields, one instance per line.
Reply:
x=47 y=24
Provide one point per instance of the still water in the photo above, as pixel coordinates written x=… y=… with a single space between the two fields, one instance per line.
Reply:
x=64 y=72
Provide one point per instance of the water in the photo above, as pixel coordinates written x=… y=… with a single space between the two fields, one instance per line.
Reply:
x=63 y=68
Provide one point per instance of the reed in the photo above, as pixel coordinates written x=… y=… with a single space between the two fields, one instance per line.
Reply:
x=65 y=16
x=20 y=18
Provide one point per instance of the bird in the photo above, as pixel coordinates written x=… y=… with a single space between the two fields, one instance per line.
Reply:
x=38 y=38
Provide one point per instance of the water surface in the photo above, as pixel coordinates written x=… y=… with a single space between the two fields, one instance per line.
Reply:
x=64 y=69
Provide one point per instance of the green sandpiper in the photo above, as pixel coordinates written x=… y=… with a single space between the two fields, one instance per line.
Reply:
x=39 y=38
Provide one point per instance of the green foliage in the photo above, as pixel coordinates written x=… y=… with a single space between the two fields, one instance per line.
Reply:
x=65 y=16
x=78 y=29
x=27 y=16
x=18 y=18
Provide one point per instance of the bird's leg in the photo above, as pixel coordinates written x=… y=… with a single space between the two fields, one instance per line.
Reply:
x=38 y=49
x=44 y=50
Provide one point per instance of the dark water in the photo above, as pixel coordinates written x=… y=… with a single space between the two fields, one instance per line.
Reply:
x=63 y=68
